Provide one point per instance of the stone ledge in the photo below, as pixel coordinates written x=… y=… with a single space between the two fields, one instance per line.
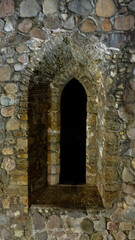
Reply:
x=69 y=196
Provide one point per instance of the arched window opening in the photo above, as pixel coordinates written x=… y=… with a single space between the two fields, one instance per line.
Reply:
x=73 y=134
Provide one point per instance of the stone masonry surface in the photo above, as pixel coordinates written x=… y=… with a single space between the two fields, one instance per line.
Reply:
x=43 y=45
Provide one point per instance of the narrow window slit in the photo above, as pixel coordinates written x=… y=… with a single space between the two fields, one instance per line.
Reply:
x=73 y=134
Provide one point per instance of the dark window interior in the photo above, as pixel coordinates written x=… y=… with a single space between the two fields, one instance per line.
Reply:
x=73 y=134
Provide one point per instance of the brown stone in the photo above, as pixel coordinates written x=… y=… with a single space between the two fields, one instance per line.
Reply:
x=52 y=22
x=125 y=226
x=129 y=97
x=38 y=221
x=23 y=59
x=11 y=88
x=106 y=25
x=5 y=73
x=105 y=8
x=8 y=111
x=129 y=189
x=22 y=49
x=25 y=26
x=38 y=33
x=111 y=226
x=6 y=8
x=54 y=222
x=125 y=22
x=2 y=34
x=117 y=216
x=13 y=124
x=88 y=26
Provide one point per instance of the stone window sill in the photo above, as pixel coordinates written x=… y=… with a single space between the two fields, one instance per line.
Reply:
x=69 y=196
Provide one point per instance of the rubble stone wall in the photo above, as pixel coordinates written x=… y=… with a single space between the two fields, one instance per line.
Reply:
x=43 y=45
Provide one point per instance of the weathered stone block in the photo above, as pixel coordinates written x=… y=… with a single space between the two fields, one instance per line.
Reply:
x=25 y=26
x=106 y=25
x=105 y=8
x=3 y=220
x=6 y=8
x=125 y=22
x=114 y=40
x=50 y=6
x=38 y=221
x=70 y=23
x=13 y=124
x=38 y=33
x=29 y=8
x=8 y=164
x=54 y=222
x=127 y=176
x=52 y=22
x=80 y=7
x=5 y=73
x=87 y=226
x=131 y=5
x=88 y=26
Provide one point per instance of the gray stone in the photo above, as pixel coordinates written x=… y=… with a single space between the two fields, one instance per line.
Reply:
x=100 y=225
x=129 y=213
x=1 y=24
x=131 y=6
x=18 y=67
x=38 y=221
x=41 y=236
x=126 y=175
x=80 y=7
x=76 y=214
x=131 y=235
x=52 y=22
x=114 y=40
x=8 y=26
x=8 y=51
x=87 y=226
x=70 y=23
x=7 y=101
x=50 y=6
x=29 y=8
x=3 y=220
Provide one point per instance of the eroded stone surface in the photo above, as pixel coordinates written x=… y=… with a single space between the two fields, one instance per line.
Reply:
x=105 y=8
x=6 y=8
x=25 y=26
x=5 y=73
x=50 y=6
x=29 y=8
x=125 y=22
x=81 y=7
x=88 y=26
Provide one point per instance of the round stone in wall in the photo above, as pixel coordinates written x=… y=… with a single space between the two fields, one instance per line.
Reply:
x=87 y=226
x=88 y=26
x=29 y=8
x=25 y=26
x=106 y=8
x=125 y=22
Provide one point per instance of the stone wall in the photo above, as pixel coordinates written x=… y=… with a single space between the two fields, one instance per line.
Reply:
x=43 y=45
